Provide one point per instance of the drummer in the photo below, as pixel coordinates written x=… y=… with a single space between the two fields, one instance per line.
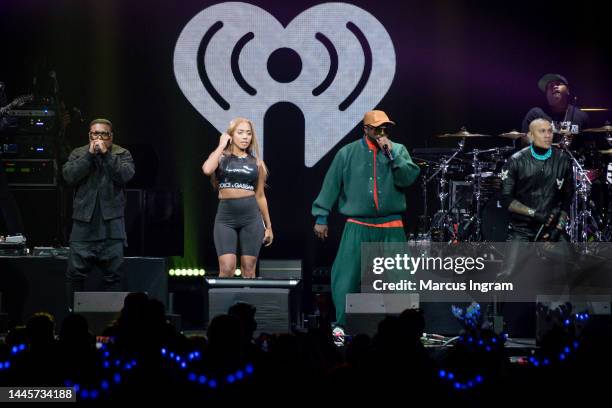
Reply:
x=565 y=117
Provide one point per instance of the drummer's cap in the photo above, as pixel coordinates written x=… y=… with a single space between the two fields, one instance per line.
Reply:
x=376 y=118
x=551 y=77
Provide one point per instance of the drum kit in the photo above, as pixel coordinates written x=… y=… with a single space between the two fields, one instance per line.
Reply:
x=468 y=186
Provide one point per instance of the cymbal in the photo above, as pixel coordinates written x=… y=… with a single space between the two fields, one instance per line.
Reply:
x=513 y=135
x=603 y=129
x=463 y=133
x=609 y=151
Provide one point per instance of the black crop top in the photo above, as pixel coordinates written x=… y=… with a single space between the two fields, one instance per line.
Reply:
x=237 y=172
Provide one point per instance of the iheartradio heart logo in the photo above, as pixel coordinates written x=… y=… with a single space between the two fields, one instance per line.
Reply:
x=342 y=64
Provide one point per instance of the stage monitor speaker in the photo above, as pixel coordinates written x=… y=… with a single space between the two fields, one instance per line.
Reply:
x=365 y=310
x=280 y=268
x=273 y=305
x=99 y=308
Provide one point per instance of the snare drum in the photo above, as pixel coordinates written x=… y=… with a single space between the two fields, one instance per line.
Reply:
x=490 y=183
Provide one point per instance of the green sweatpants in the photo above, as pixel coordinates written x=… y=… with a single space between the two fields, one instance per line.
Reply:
x=346 y=271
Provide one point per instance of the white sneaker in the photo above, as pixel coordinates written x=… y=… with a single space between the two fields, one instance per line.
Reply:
x=338 y=336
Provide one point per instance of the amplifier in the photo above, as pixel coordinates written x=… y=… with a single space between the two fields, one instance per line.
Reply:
x=31 y=113
x=27 y=146
x=30 y=172
x=9 y=249
x=32 y=120
x=41 y=150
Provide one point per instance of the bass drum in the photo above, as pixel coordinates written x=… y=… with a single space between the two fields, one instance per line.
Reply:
x=495 y=220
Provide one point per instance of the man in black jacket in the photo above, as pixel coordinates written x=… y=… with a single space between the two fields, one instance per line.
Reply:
x=98 y=171
x=559 y=111
x=537 y=186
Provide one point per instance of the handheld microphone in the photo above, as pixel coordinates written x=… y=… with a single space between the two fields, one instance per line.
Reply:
x=387 y=151
x=97 y=149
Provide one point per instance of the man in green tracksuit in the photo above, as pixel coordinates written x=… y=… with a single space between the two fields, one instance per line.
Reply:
x=368 y=176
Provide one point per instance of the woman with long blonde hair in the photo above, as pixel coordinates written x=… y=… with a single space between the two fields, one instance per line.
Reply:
x=239 y=175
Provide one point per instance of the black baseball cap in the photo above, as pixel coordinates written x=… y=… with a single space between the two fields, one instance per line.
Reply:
x=551 y=77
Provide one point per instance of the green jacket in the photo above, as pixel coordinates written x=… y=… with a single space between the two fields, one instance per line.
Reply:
x=365 y=189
